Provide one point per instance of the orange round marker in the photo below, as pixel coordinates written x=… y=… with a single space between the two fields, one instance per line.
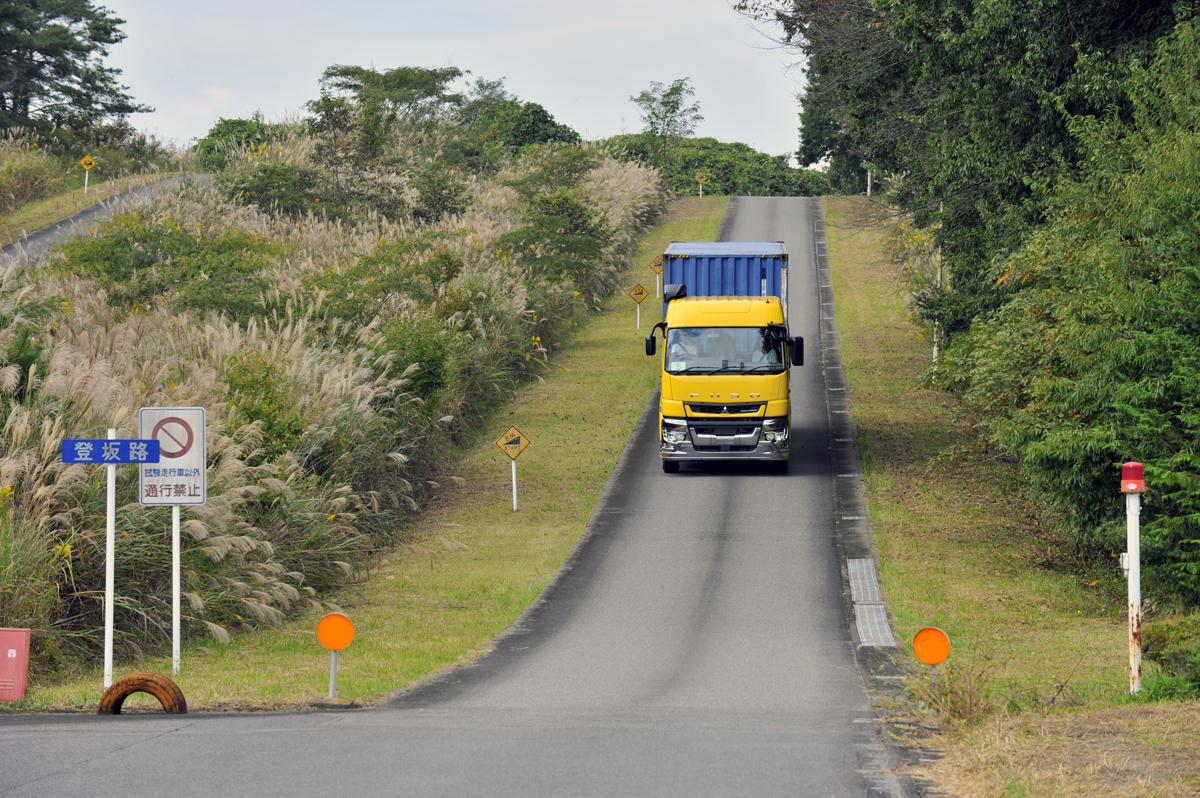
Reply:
x=932 y=646
x=335 y=631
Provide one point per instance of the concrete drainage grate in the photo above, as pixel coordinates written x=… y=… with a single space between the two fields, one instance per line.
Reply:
x=873 y=627
x=870 y=613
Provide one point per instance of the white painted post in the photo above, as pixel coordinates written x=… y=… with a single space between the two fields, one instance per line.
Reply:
x=1133 y=512
x=1133 y=484
x=514 y=473
x=657 y=286
x=333 y=676
x=639 y=315
x=110 y=544
x=86 y=172
x=175 y=589
x=868 y=182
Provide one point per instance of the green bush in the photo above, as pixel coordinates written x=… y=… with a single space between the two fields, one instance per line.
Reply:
x=561 y=238
x=136 y=261
x=413 y=267
x=27 y=175
x=1174 y=643
x=440 y=192
x=281 y=187
x=422 y=341
x=257 y=394
x=227 y=135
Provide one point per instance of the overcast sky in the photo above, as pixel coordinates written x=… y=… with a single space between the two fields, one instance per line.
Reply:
x=195 y=62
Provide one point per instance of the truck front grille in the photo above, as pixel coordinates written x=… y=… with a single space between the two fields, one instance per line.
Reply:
x=742 y=408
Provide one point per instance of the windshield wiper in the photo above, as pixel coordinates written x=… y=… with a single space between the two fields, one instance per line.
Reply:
x=699 y=370
x=776 y=367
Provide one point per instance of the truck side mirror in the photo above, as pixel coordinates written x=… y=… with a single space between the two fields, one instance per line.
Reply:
x=797 y=345
x=651 y=344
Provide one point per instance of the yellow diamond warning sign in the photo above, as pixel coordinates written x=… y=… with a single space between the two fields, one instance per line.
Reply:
x=638 y=293
x=513 y=442
x=87 y=162
x=656 y=265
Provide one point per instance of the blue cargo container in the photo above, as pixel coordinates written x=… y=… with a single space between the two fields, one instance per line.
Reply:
x=727 y=268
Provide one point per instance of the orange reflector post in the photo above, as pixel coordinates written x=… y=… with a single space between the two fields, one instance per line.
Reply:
x=335 y=631
x=932 y=646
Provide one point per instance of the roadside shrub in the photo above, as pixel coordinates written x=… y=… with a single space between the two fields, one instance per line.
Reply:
x=424 y=351
x=229 y=135
x=380 y=283
x=27 y=173
x=136 y=260
x=258 y=395
x=440 y=193
x=282 y=187
x=561 y=238
x=1174 y=643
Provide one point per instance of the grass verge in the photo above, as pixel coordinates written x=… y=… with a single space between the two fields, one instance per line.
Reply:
x=472 y=565
x=964 y=548
x=51 y=210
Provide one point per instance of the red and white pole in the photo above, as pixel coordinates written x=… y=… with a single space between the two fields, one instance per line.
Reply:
x=1133 y=485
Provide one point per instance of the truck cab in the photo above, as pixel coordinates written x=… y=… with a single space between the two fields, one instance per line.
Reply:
x=725 y=359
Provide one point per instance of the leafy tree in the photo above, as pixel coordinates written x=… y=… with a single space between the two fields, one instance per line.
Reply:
x=967 y=103
x=51 y=73
x=668 y=114
x=380 y=99
x=1096 y=356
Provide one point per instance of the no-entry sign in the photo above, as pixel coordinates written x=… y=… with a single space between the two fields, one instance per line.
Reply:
x=180 y=475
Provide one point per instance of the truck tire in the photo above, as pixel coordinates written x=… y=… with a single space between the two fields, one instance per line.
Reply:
x=670 y=467
x=780 y=467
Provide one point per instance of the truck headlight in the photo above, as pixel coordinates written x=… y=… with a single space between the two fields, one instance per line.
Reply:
x=775 y=430
x=674 y=431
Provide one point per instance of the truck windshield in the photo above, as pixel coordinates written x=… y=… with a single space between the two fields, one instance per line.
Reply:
x=725 y=350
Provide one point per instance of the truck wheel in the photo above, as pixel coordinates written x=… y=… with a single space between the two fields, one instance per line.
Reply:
x=670 y=467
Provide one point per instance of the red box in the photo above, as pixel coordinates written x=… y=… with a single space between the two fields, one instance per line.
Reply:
x=14 y=663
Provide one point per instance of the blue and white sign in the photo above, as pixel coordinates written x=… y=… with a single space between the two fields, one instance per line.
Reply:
x=110 y=452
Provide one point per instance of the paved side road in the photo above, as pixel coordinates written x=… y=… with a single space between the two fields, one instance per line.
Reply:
x=38 y=243
x=697 y=645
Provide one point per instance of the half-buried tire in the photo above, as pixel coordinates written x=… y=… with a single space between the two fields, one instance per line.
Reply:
x=157 y=685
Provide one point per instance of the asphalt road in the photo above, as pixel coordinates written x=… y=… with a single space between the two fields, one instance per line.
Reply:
x=698 y=645
x=38 y=243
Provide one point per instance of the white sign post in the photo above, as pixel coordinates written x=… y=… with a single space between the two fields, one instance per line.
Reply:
x=180 y=477
x=110 y=552
x=1133 y=485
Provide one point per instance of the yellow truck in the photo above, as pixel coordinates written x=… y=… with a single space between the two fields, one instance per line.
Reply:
x=726 y=354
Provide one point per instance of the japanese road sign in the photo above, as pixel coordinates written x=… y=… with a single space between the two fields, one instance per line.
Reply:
x=181 y=474
x=109 y=452
x=87 y=162
x=513 y=442
x=638 y=293
x=656 y=265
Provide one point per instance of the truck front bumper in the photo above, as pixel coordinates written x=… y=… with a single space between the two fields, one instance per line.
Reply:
x=709 y=439
x=763 y=451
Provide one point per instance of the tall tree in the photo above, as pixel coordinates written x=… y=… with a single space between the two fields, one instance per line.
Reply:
x=968 y=103
x=51 y=68
x=669 y=115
